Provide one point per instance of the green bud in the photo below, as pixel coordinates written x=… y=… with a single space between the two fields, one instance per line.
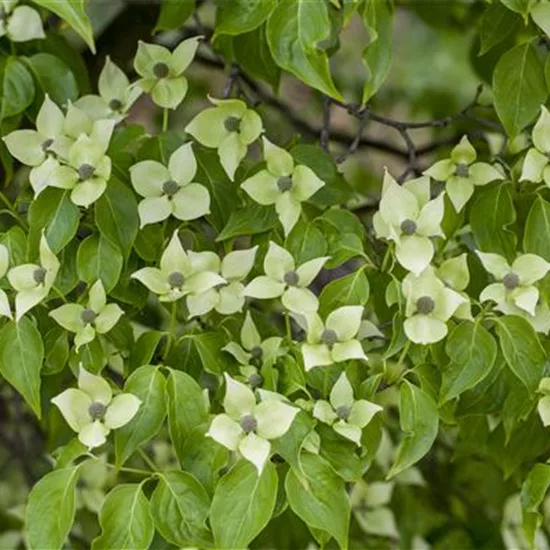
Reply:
x=97 y=410
x=291 y=278
x=248 y=423
x=510 y=281
x=255 y=380
x=232 y=124
x=46 y=145
x=462 y=170
x=425 y=305
x=39 y=275
x=115 y=105
x=284 y=184
x=161 y=70
x=408 y=227
x=329 y=337
x=88 y=316
x=342 y=412
x=85 y=172
x=176 y=279
x=170 y=188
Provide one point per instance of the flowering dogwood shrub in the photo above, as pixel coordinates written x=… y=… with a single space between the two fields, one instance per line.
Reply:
x=216 y=337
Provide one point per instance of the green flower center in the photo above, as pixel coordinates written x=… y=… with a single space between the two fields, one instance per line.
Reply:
x=256 y=352
x=342 y=412
x=232 y=124
x=284 y=184
x=39 y=275
x=425 y=305
x=255 y=380
x=170 y=188
x=97 y=410
x=176 y=279
x=115 y=105
x=291 y=278
x=88 y=316
x=462 y=170
x=329 y=337
x=46 y=144
x=161 y=70
x=85 y=172
x=511 y=281
x=248 y=423
x=408 y=227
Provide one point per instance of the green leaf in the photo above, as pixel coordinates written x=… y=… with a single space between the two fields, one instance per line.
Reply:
x=56 y=345
x=294 y=32
x=174 y=14
x=306 y=242
x=419 y=420
x=519 y=88
x=97 y=258
x=522 y=349
x=250 y=220
x=472 y=351
x=16 y=241
x=73 y=12
x=523 y=7
x=497 y=23
x=149 y=385
x=116 y=216
x=17 y=88
x=125 y=520
x=180 y=507
x=241 y=16
x=50 y=510
x=201 y=350
x=351 y=290
x=318 y=496
x=243 y=504
x=21 y=356
x=490 y=216
x=378 y=19
x=54 y=77
x=533 y=491
x=536 y=238
x=143 y=350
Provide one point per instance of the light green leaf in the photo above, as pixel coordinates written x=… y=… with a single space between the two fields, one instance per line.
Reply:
x=519 y=6
x=143 y=350
x=21 y=356
x=533 y=491
x=243 y=504
x=306 y=242
x=56 y=346
x=351 y=290
x=50 y=510
x=536 y=238
x=99 y=259
x=17 y=88
x=125 y=520
x=174 y=14
x=241 y=16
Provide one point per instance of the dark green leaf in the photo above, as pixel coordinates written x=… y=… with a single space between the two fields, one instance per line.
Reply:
x=306 y=242
x=54 y=77
x=17 y=87
x=250 y=220
x=99 y=259
x=241 y=16
x=143 y=350
x=351 y=290
x=497 y=24
x=173 y=14
x=536 y=238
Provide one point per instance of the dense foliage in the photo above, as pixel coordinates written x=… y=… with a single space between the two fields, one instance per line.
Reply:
x=245 y=303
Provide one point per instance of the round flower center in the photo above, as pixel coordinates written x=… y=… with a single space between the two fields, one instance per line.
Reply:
x=88 y=316
x=291 y=278
x=284 y=184
x=462 y=170
x=232 y=124
x=511 y=281
x=408 y=227
x=342 y=412
x=46 y=144
x=255 y=380
x=248 y=423
x=39 y=275
x=170 y=188
x=115 y=104
x=85 y=172
x=97 y=410
x=176 y=279
x=161 y=70
x=329 y=337
x=425 y=305
x=256 y=352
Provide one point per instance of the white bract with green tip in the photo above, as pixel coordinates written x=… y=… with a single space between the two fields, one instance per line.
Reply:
x=347 y=416
x=92 y=412
x=335 y=340
x=462 y=174
x=96 y=317
x=162 y=71
x=116 y=95
x=515 y=284
x=282 y=278
x=5 y=309
x=283 y=184
x=408 y=217
x=429 y=304
x=33 y=282
x=455 y=274
x=247 y=426
x=230 y=127
x=180 y=273
x=536 y=166
x=19 y=23
x=169 y=190
x=229 y=297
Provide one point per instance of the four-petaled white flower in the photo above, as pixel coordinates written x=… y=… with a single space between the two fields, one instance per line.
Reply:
x=536 y=166
x=461 y=173
x=180 y=273
x=248 y=426
x=97 y=316
x=228 y=127
x=282 y=278
x=347 y=416
x=408 y=217
x=170 y=191
x=455 y=274
x=229 y=297
x=19 y=23
x=283 y=184
x=91 y=410
x=33 y=282
x=335 y=340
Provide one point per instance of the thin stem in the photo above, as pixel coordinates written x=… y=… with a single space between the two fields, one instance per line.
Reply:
x=171 y=330
x=404 y=353
x=13 y=211
x=147 y=459
x=59 y=293
x=122 y=469
x=288 y=329
x=165 y=120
